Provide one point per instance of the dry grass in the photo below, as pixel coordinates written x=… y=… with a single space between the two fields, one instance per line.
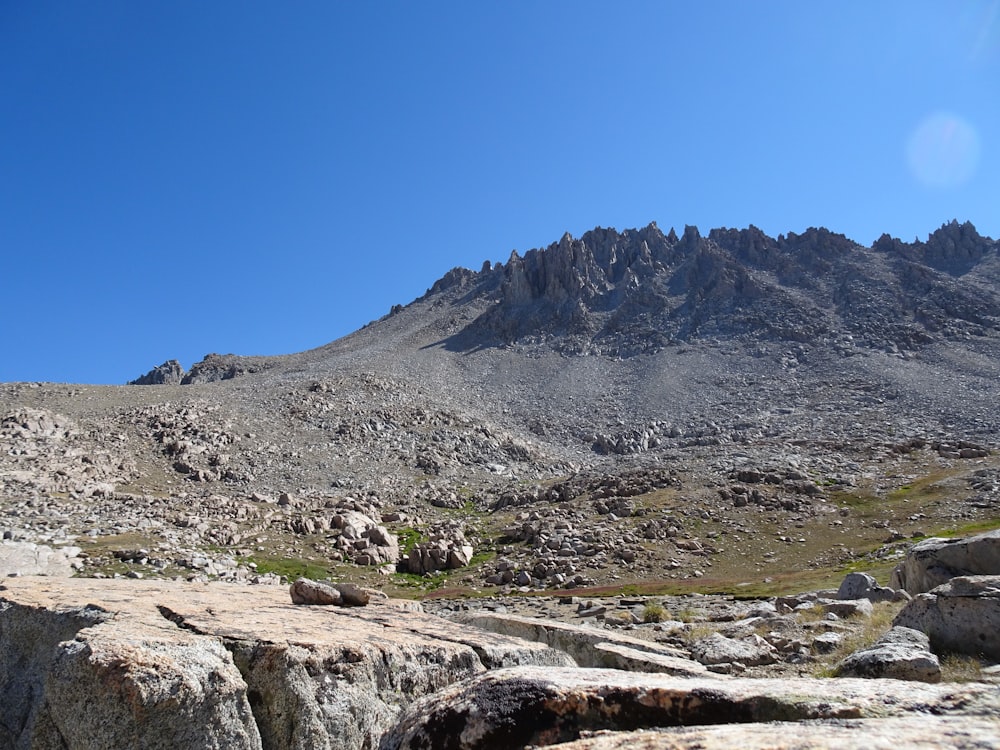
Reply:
x=815 y=613
x=654 y=612
x=694 y=633
x=872 y=629
x=960 y=668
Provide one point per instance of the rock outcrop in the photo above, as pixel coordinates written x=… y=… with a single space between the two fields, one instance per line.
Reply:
x=215 y=367
x=529 y=706
x=97 y=664
x=590 y=647
x=29 y=559
x=94 y=664
x=961 y=616
x=935 y=561
x=638 y=291
x=914 y=732
x=169 y=373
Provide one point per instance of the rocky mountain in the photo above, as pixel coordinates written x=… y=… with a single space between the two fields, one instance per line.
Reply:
x=730 y=422
x=610 y=408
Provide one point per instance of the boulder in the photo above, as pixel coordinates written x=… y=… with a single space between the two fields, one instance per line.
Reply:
x=718 y=649
x=304 y=591
x=440 y=554
x=864 y=586
x=901 y=654
x=530 y=706
x=28 y=559
x=353 y=524
x=352 y=595
x=826 y=643
x=961 y=616
x=935 y=561
x=847 y=607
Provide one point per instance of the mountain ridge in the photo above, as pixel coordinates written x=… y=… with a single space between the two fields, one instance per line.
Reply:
x=654 y=290
x=625 y=387
x=637 y=291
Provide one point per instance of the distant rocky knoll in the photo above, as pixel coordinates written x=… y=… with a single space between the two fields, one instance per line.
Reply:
x=212 y=368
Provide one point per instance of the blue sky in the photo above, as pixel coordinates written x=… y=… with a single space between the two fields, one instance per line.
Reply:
x=178 y=178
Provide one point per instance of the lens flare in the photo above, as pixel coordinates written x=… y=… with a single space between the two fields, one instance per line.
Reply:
x=943 y=151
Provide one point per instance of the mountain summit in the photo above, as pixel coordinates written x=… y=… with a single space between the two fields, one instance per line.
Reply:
x=640 y=290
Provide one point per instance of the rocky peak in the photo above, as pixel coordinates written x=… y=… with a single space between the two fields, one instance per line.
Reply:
x=169 y=373
x=634 y=291
x=456 y=277
x=216 y=367
x=954 y=249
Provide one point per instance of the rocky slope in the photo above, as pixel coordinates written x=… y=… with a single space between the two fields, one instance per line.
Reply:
x=618 y=414
x=625 y=407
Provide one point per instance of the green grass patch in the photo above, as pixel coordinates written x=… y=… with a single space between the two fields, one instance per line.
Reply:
x=969 y=529
x=291 y=569
x=481 y=557
x=426 y=582
x=654 y=612
x=408 y=539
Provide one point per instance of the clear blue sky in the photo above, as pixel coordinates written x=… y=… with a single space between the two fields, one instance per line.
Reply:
x=178 y=178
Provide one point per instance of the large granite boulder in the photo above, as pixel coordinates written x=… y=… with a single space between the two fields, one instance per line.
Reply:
x=935 y=561
x=962 y=616
x=153 y=664
x=79 y=675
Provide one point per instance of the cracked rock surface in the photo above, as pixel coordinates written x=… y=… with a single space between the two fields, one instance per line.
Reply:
x=97 y=664
x=529 y=706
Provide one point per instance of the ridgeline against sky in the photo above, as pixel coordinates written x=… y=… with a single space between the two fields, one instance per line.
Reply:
x=178 y=180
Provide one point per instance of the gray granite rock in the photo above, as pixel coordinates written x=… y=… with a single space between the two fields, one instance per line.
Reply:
x=935 y=561
x=961 y=616
x=901 y=654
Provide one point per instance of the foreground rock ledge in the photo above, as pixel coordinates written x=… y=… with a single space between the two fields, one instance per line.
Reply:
x=143 y=664
x=511 y=708
x=913 y=733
